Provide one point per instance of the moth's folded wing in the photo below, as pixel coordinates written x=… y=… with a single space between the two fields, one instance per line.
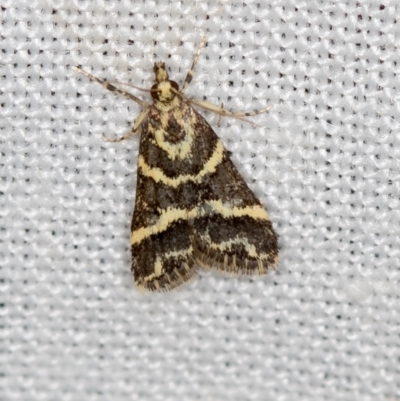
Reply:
x=234 y=232
x=162 y=253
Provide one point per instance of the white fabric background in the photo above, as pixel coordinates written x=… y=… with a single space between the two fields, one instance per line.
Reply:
x=324 y=162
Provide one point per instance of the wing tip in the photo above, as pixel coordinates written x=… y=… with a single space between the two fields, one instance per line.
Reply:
x=231 y=264
x=168 y=281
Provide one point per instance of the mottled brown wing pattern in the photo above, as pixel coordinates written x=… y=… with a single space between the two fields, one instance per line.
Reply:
x=193 y=208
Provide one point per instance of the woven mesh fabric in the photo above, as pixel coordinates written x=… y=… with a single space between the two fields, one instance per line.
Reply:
x=324 y=161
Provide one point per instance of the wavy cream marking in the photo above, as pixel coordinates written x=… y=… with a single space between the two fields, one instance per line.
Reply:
x=227 y=245
x=171 y=215
x=158 y=270
x=209 y=167
x=168 y=216
x=158 y=264
x=177 y=254
x=225 y=210
x=181 y=149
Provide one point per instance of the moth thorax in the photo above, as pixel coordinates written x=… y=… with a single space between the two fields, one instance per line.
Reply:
x=164 y=90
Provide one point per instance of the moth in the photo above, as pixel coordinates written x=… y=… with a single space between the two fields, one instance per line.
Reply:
x=193 y=209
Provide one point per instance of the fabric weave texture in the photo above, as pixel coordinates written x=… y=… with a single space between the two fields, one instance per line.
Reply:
x=325 y=162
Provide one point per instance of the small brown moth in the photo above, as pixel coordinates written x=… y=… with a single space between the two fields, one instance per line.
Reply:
x=192 y=206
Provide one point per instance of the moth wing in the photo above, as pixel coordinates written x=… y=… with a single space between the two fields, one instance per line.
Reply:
x=233 y=232
x=162 y=252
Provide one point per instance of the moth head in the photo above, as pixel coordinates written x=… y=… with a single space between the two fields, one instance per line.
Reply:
x=163 y=90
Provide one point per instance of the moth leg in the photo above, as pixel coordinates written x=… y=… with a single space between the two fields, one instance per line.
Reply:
x=220 y=116
x=190 y=73
x=223 y=112
x=111 y=87
x=133 y=131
